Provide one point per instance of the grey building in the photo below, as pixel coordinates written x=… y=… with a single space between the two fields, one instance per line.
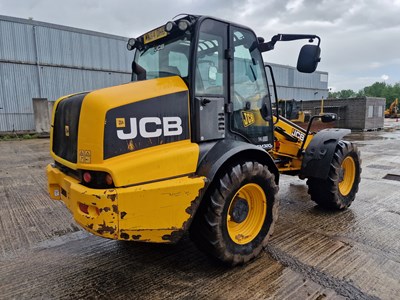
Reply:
x=42 y=60
x=363 y=113
x=291 y=84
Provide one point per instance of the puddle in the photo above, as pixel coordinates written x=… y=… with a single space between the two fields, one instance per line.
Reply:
x=380 y=167
x=392 y=177
x=373 y=136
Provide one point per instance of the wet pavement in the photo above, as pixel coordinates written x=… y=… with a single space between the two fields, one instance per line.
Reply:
x=313 y=254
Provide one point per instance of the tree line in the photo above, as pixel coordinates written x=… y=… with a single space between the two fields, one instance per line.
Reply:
x=378 y=89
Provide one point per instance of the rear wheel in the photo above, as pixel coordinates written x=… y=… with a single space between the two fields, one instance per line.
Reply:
x=238 y=213
x=339 y=189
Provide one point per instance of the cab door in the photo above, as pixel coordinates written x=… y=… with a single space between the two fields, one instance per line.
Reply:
x=211 y=81
x=251 y=115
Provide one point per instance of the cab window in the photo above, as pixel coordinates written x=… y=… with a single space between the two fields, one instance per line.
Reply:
x=249 y=90
x=210 y=62
x=166 y=58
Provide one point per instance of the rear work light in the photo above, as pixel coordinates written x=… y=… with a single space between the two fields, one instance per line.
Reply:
x=97 y=179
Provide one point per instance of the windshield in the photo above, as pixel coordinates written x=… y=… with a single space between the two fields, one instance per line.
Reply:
x=166 y=58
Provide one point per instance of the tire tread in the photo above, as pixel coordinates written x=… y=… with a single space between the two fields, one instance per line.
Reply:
x=326 y=192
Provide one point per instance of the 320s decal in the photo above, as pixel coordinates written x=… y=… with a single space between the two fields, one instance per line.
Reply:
x=146 y=123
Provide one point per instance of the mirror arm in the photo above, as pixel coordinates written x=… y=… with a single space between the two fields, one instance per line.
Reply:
x=287 y=37
x=268 y=46
x=307 y=133
x=294 y=37
x=325 y=118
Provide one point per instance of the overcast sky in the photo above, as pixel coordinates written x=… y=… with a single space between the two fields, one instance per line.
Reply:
x=360 y=38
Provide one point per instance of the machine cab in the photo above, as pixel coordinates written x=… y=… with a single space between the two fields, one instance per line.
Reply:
x=223 y=68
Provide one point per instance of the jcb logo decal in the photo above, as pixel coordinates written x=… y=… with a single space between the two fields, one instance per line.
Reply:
x=144 y=124
x=298 y=134
x=248 y=118
x=120 y=122
x=149 y=127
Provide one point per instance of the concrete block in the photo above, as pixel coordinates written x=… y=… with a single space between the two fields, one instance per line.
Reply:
x=41 y=115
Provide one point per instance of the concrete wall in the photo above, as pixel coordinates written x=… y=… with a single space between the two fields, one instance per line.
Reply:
x=363 y=113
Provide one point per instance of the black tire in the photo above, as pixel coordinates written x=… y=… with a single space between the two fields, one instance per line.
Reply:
x=339 y=189
x=229 y=240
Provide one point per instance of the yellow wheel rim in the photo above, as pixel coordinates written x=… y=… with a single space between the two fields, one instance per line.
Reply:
x=250 y=203
x=349 y=173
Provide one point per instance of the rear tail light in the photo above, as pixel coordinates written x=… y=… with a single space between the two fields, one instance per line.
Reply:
x=89 y=210
x=84 y=208
x=97 y=179
x=277 y=146
x=109 y=180
x=87 y=177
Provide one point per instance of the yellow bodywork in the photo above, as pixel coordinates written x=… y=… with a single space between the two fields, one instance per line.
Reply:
x=149 y=212
x=155 y=188
x=286 y=148
x=96 y=105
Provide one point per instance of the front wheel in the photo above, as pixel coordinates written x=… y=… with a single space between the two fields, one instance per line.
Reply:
x=339 y=189
x=238 y=213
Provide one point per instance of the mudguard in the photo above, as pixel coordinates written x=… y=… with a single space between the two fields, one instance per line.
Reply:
x=214 y=155
x=319 y=153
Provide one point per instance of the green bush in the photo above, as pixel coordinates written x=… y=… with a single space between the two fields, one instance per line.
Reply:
x=6 y=137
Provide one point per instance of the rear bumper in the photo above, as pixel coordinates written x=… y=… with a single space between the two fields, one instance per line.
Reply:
x=153 y=212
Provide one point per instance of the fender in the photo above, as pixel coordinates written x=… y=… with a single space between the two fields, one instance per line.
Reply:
x=319 y=153
x=214 y=155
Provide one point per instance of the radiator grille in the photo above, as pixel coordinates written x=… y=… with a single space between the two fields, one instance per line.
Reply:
x=66 y=124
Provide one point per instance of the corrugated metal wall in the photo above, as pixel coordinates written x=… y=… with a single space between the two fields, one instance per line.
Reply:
x=41 y=60
x=292 y=84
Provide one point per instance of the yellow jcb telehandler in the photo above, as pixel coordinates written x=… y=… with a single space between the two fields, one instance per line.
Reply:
x=293 y=111
x=193 y=144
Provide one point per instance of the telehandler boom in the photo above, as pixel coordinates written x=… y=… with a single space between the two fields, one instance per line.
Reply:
x=193 y=144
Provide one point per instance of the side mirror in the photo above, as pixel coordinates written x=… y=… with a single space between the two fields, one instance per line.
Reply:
x=328 y=117
x=212 y=73
x=309 y=57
